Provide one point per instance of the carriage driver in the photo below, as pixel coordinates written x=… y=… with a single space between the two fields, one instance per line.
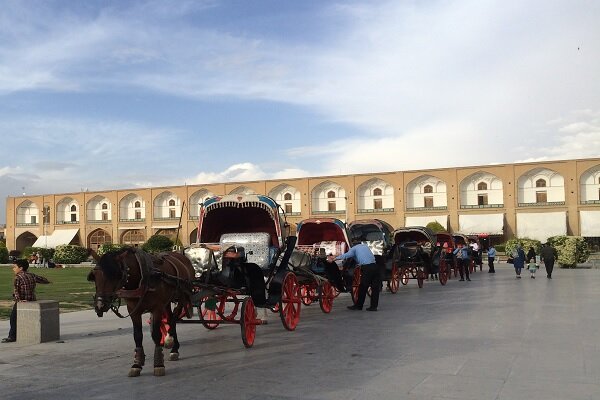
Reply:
x=370 y=274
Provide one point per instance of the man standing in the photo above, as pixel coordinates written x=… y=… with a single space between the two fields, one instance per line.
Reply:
x=24 y=290
x=463 y=258
x=491 y=254
x=370 y=274
x=548 y=256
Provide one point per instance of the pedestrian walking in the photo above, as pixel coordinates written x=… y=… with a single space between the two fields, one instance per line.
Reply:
x=23 y=290
x=531 y=255
x=491 y=254
x=370 y=274
x=548 y=256
x=532 y=267
x=519 y=260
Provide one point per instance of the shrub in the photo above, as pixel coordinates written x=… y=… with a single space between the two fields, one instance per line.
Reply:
x=69 y=254
x=107 y=247
x=3 y=254
x=511 y=245
x=571 y=250
x=435 y=227
x=157 y=244
x=501 y=248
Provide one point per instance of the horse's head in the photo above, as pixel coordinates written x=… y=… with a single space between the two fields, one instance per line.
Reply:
x=109 y=275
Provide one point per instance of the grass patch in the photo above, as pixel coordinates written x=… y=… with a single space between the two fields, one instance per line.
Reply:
x=69 y=286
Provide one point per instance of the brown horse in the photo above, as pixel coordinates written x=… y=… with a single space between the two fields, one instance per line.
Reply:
x=147 y=283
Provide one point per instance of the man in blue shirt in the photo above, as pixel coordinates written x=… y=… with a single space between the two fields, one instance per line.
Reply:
x=491 y=258
x=370 y=274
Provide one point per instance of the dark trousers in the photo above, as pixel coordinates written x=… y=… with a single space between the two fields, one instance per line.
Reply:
x=12 y=333
x=370 y=275
x=549 y=266
x=491 y=264
x=463 y=267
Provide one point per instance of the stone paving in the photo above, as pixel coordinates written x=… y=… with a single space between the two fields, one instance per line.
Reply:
x=496 y=337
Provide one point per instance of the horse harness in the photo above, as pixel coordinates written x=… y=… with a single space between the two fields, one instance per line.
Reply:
x=147 y=272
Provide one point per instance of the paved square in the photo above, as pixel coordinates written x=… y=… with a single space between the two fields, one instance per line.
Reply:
x=494 y=338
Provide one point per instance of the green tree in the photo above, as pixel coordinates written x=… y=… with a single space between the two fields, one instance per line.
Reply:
x=157 y=244
x=571 y=250
x=435 y=227
x=70 y=254
x=3 y=253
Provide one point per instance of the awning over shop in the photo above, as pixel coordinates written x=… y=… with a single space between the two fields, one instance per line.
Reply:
x=474 y=224
x=57 y=238
x=590 y=223
x=541 y=226
x=423 y=220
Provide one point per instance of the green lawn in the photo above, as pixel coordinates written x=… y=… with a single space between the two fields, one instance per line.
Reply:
x=68 y=285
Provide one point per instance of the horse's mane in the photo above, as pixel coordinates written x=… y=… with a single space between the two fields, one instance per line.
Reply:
x=109 y=265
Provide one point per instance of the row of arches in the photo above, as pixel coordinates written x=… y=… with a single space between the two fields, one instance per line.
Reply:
x=479 y=190
x=98 y=237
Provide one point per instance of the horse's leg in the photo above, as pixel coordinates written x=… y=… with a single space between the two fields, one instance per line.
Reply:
x=139 y=358
x=159 y=359
x=173 y=316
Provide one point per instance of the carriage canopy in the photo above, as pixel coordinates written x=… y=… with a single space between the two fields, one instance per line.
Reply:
x=221 y=215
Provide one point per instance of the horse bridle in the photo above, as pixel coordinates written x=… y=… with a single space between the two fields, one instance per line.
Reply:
x=115 y=299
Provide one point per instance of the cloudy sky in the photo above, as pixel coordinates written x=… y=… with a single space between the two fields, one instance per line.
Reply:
x=119 y=94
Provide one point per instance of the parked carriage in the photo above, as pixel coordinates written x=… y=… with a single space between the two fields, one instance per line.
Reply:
x=320 y=280
x=241 y=262
x=444 y=256
x=414 y=251
x=377 y=234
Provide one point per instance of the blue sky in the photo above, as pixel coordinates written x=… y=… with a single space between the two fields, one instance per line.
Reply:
x=121 y=94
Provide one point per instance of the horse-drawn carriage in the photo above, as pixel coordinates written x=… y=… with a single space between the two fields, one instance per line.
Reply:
x=377 y=234
x=415 y=249
x=320 y=280
x=241 y=262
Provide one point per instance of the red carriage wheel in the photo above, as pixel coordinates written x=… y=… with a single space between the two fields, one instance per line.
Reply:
x=355 y=284
x=289 y=304
x=248 y=322
x=443 y=274
x=420 y=278
x=394 y=282
x=404 y=277
x=211 y=309
x=326 y=296
x=306 y=295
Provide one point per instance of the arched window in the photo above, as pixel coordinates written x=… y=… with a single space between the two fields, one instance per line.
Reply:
x=331 y=194
x=482 y=186
x=540 y=183
x=287 y=196
x=428 y=189
x=171 y=203
x=377 y=192
x=104 y=206
x=98 y=238
x=73 y=208
x=137 y=204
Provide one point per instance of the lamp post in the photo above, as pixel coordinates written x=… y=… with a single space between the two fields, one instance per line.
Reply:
x=45 y=214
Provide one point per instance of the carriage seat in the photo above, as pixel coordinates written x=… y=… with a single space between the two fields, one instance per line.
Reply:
x=409 y=251
x=331 y=247
x=257 y=246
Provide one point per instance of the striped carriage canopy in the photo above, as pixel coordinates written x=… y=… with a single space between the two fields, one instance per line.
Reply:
x=237 y=213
